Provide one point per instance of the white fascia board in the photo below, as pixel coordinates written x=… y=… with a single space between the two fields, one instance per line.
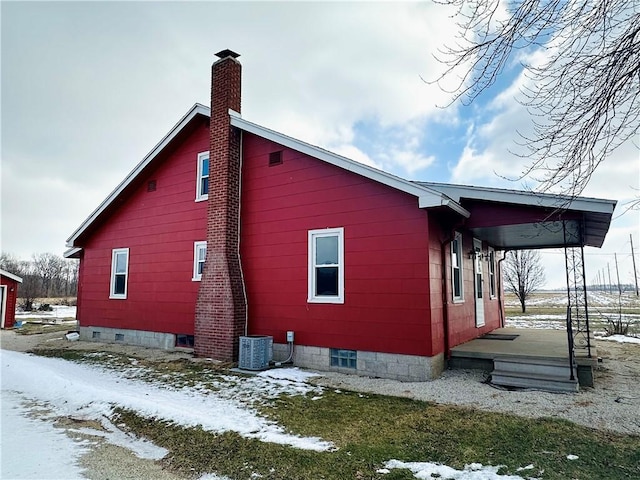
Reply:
x=71 y=252
x=518 y=197
x=197 y=109
x=11 y=276
x=427 y=197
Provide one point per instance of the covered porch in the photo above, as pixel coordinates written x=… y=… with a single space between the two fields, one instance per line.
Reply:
x=508 y=349
x=515 y=220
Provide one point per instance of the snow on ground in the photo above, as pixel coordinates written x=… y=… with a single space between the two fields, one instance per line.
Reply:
x=32 y=447
x=91 y=392
x=58 y=311
x=427 y=470
x=57 y=388
x=620 y=339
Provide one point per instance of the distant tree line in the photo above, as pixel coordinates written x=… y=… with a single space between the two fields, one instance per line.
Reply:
x=45 y=275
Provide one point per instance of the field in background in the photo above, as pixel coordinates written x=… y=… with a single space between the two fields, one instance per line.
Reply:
x=548 y=310
x=544 y=310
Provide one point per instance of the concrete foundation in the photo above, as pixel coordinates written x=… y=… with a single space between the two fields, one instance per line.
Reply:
x=407 y=368
x=164 y=341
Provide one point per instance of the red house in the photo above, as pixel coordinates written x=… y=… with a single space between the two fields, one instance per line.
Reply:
x=8 y=297
x=227 y=228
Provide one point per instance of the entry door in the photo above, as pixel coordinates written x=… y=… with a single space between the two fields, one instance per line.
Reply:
x=479 y=284
x=3 y=304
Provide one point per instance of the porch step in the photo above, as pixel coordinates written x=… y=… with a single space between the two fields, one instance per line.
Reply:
x=531 y=372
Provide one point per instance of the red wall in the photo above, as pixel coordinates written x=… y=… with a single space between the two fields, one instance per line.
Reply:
x=387 y=302
x=461 y=316
x=12 y=296
x=159 y=228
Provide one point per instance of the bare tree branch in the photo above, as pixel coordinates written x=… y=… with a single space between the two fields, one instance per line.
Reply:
x=582 y=62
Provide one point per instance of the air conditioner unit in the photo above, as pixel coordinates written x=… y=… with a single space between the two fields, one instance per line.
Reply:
x=256 y=351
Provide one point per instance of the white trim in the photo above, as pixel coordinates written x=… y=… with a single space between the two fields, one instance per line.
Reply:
x=312 y=297
x=71 y=252
x=202 y=156
x=197 y=247
x=427 y=197
x=519 y=197
x=3 y=305
x=114 y=253
x=13 y=277
x=194 y=111
x=478 y=270
x=457 y=237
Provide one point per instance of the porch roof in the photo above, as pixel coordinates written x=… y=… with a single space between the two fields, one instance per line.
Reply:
x=515 y=219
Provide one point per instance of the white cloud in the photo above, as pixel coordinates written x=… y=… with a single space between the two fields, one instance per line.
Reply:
x=88 y=89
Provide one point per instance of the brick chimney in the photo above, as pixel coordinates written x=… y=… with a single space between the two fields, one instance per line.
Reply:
x=221 y=306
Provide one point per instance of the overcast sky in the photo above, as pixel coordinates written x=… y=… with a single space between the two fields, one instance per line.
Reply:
x=88 y=88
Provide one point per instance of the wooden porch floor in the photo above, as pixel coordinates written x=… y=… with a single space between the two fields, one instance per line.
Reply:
x=538 y=343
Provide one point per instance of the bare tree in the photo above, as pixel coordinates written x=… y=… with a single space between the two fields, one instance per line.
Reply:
x=49 y=267
x=523 y=274
x=10 y=263
x=31 y=286
x=583 y=92
x=45 y=275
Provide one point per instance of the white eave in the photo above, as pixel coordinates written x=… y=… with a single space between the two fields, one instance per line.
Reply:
x=518 y=197
x=72 y=252
x=427 y=197
x=197 y=109
x=13 y=277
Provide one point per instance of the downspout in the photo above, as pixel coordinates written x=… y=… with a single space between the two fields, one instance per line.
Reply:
x=500 y=299
x=244 y=289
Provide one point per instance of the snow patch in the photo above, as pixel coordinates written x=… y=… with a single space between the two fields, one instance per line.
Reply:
x=619 y=339
x=473 y=471
x=72 y=389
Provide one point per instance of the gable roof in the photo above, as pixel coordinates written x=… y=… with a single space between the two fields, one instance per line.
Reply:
x=596 y=213
x=427 y=197
x=13 y=277
x=193 y=112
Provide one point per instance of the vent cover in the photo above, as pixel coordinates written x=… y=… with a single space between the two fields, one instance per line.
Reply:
x=151 y=186
x=256 y=351
x=275 y=158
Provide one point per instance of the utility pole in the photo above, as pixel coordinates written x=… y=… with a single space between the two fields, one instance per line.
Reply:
x=615 y=257
x=609 y=270
x=633 y=258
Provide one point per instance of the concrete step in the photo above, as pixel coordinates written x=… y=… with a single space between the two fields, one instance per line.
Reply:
x=535 y=366
x=535 y=381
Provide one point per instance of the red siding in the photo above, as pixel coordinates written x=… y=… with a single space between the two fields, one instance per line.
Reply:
x=12 y=297
x=461 y=315
x=436 y=236
x=159 y=228
x=387 y=302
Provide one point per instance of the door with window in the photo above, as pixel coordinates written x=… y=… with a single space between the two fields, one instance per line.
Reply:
x=478 y=283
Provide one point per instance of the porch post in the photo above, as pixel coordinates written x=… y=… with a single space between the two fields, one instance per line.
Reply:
x=577 y=308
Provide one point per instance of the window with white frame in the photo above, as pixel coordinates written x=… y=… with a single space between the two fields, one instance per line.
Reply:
x=199 y=256
x=326 y=266
x=119 y=273
x=456 y=267
x=202 y=185
x=492 y=272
